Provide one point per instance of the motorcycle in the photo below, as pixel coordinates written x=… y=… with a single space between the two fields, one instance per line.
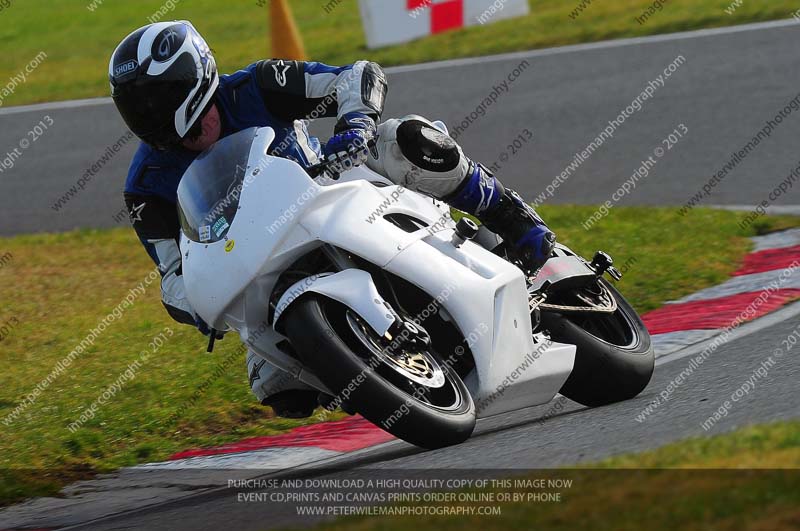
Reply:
x=373 y=295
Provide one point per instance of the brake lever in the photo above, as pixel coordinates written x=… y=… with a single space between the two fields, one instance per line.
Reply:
x=213 y=337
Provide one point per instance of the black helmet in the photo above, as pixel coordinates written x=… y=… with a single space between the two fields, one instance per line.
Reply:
x=163 y=77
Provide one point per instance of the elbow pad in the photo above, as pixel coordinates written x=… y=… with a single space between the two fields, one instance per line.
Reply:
x=374 y=87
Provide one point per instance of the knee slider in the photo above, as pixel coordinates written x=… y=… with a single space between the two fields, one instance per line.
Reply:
x=426 y=147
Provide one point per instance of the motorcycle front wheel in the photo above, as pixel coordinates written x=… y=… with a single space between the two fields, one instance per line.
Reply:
x=415 y=396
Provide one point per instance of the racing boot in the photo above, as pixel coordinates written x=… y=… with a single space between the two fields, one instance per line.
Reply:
x=529 y=241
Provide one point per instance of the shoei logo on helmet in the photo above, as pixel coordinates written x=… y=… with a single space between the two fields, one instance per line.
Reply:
x=125 y=68
x=168 y=42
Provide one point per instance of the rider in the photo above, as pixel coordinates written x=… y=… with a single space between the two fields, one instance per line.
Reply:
x=165 y=85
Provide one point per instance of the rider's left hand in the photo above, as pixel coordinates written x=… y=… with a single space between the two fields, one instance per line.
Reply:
x=349 y=146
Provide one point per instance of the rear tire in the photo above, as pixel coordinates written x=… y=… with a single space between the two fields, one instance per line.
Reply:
x=317 y=329
x=607 y=369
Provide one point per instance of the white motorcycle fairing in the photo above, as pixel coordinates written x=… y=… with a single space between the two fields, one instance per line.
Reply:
x=283 y=214
x=353 y=288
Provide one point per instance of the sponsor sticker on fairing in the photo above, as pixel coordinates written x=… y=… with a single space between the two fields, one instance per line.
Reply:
x=220 y=226
x=205 y=233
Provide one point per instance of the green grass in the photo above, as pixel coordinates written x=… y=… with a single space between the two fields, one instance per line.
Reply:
x=58 y=287
x=78 y=42
x=648 y=496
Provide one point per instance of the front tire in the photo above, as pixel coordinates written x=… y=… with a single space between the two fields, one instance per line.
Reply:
x=318 y=329
x=615 y=357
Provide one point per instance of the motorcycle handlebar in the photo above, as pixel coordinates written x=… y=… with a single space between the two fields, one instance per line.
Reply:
x=315 y=170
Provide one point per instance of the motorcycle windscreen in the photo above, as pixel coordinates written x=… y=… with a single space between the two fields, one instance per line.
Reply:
x=209 y=191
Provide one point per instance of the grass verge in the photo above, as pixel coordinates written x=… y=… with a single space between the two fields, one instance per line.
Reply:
x=56 y=288
x=78 y=40
x=733 y=492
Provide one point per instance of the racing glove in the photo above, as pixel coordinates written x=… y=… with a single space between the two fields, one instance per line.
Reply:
x=349 y=146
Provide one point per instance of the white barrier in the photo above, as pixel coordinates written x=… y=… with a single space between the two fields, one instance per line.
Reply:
x=395 y=21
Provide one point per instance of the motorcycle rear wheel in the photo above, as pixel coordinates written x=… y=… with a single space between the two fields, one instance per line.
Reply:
x=615 y=357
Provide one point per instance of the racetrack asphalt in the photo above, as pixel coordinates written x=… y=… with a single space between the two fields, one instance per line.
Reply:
x=535 y=438
x=732 y=81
